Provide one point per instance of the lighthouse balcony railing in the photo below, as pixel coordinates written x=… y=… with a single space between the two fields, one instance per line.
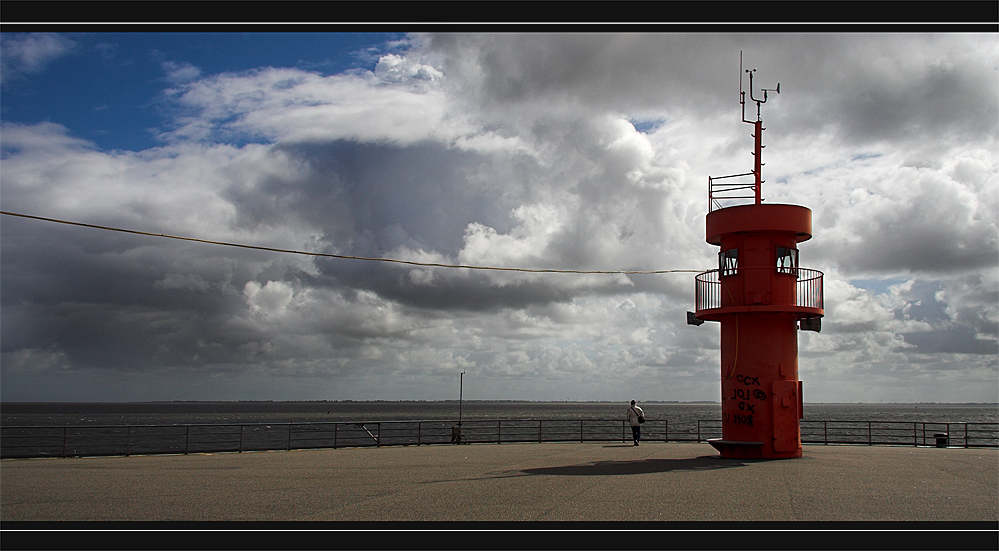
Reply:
x=730 y=193
x=806 y=292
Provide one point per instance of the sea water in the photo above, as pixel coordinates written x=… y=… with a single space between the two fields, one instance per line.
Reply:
x=169 y=413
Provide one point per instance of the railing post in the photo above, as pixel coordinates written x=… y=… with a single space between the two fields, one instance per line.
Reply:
x=868 y=433
x=825 y=433
x=539 y=431
x=128 y=438
x=499 y=431
x=580 y=431
x=64 y=430
x=241 y=439
x=915 y=435
x=187 y=439
x=289 y=436
x=336 y=427
x=965 y=434
x=378 y=440
x=698 y=430
x=419 y=432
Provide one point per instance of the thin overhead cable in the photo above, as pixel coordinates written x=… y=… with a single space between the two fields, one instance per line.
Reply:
x=346 y=257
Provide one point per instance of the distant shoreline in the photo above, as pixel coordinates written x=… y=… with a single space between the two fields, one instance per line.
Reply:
x=670 y=402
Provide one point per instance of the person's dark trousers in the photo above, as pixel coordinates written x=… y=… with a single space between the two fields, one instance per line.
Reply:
x=636 y=433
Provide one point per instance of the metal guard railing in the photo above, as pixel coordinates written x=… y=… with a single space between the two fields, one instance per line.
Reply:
x=807 y=291
x=740 y=192
x=97 y=440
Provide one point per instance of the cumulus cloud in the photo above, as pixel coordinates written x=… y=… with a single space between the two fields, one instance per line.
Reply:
x=512 y=151
x=890 y=218
x=401 y=104
x=22 y=55
x=180 y=72
x=395 y=68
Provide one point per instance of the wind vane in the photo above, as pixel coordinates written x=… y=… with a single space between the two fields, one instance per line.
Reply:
x=720 y=191
x=758 y=124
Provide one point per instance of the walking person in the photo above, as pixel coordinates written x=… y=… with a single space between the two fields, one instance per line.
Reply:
x=635 y=418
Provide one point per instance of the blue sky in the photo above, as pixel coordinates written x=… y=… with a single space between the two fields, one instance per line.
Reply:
x=542 y=150
x=107 y=87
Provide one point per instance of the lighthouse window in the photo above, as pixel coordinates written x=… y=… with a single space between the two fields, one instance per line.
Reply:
x=787 y=260
x=728 y=262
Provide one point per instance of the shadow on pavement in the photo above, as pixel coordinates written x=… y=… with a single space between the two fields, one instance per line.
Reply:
x=642 y=466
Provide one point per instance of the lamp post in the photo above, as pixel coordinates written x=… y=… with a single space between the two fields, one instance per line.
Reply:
x=461 y=385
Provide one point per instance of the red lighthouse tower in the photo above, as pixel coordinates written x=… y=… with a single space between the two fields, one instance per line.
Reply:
x=761 y=297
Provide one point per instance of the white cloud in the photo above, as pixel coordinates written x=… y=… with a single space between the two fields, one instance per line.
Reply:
x=180 y=72
x=395 y=68
x=271 y=299
x=30 y=54
x=516 y=151
x=290 y=105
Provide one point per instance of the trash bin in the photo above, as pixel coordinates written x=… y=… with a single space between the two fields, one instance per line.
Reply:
x=941 y=439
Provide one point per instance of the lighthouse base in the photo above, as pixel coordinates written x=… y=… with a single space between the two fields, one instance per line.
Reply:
x=731 y=449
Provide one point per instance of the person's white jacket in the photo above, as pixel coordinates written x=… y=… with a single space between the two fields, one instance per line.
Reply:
x=634 y=412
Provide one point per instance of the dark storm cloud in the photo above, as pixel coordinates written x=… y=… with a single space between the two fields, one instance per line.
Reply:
x=866 y=87
x=465 y=290
x=370 y=198
x=936 y=101
x=473 y=292
x=956 y=340
x=617 y=71
x=81 y=291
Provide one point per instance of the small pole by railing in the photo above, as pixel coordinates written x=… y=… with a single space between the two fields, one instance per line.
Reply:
x=378 y=440
x=289 y=436
x=187 y=439
x=241 y=439
x=698 y=430
x=499 y=431
x=64 y=434
x=336 y=427
x=825 y=433
x=869 y=433
x=915 y=435
x=966 y=435
x=539 y=431
x=128 y=439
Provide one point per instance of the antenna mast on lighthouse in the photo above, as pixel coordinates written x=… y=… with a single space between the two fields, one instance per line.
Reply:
x=722 y=189
x=758 y=126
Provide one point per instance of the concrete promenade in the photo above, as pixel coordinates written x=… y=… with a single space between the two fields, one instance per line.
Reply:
x=510 y=482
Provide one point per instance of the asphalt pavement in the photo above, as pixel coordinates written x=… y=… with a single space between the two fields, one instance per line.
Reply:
x=675 y=482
